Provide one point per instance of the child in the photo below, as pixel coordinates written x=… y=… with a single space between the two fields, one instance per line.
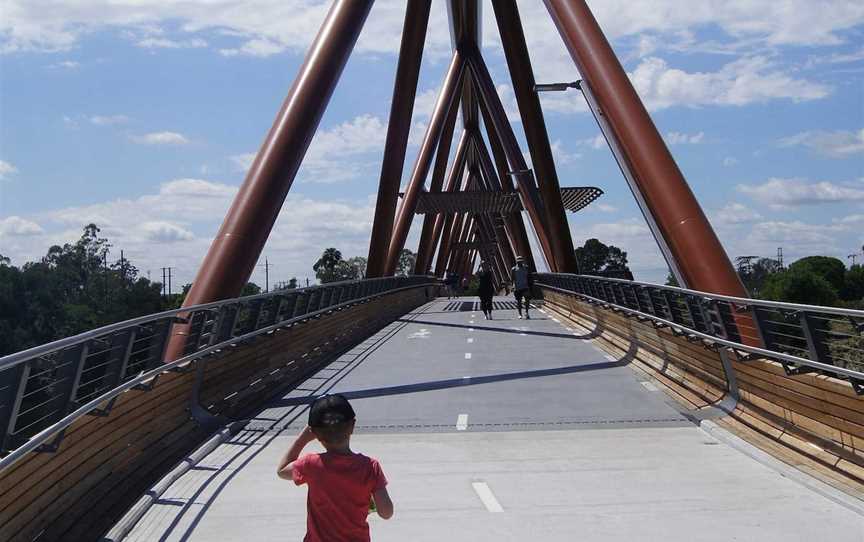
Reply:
x=342 y=484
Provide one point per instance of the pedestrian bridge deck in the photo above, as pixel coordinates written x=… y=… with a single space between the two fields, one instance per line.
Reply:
x=570 y=444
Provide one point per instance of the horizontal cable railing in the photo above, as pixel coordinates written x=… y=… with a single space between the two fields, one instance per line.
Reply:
x=48 y=386
x=803 y=338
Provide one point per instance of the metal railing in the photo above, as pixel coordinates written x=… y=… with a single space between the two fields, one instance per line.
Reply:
x=44 y=389
x=803 y=338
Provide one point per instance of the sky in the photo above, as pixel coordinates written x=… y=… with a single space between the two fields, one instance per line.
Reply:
x=142 y=116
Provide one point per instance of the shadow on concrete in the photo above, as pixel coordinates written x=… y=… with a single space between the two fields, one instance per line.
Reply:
x=591 y=335
x=433 y=385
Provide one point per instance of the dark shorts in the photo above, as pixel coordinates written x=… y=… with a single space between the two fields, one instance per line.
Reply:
x=524 y=292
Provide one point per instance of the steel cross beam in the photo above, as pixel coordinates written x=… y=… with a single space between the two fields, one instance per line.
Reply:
x=424 y=159
x=522 y=76
x=431 y=230
x=444 y=222
x=518 y=167
x=513 y=223
x=404 y=92
x=235 y=250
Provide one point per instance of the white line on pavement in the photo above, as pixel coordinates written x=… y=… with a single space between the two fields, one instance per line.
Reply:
x=649 y=386
x=470 y=339
x=467 y=355
x=610 y=357
x=470 y=329
x=487 y=497
x=462 y=422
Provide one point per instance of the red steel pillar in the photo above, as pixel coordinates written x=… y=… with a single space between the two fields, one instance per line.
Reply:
x=519 y=63
x=514 y=156
x=424 y=159
x=691 y=240
x=235 y=250
x=404 y=92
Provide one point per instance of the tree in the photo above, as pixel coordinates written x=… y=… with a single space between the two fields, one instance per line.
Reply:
x=359 y=263
x=831 y=269
x=407 y=259
x=250 y=288
x=754 y=271
x=326 y=266
x=671 y=280
x=597 y=258
x=853 y=284
x=800 y=285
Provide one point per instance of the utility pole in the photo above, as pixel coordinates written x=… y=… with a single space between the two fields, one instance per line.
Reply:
x=266 y=267
x=166 y=273
x=307 y=282
x=780 y=256
x=853 y=257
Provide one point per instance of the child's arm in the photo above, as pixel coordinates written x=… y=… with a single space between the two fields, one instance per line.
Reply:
x=383 y=504
x=285 y=468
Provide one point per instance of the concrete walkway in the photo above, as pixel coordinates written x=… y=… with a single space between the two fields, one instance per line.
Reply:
x=501 y=430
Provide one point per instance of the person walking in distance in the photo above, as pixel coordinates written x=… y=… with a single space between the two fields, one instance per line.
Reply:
x=522 y=280
x=485 y=289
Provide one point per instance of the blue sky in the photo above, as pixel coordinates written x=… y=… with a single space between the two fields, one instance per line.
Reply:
x=142 y=115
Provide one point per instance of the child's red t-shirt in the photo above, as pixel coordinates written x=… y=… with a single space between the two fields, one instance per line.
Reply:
x=340 y=486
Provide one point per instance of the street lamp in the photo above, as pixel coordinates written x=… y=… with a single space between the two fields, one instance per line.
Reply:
x=556 y=87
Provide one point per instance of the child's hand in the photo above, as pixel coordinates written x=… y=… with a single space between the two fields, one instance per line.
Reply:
x=307 y=434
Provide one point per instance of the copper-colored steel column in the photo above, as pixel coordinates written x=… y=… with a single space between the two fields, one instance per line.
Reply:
x=513 y=222
x=444 y=248
x=404 y=91
x=235 y=250
x=524 y=182
x=691 y=239
x=424 y=159
x=519 y=63
x=428 y=237
x=452 y=237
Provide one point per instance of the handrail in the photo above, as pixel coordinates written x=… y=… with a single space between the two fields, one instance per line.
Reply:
x=15 y=358
x=803 y=338
x=46 y=388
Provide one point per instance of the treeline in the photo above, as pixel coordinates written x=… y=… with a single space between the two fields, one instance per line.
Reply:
x=813 y=280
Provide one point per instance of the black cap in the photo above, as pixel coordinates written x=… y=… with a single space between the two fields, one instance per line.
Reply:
x=330 y=410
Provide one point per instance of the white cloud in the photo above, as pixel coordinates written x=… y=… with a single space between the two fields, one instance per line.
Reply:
x=65 y=65
x=747 y=80
x=730 y=161
x=679 y=138
x=838 y=144
x=15 y=226
x=340 y=153
x=107 y=120
x=735 y=213
x=165 y=232
x=165 y=43
x=562 y=156
x=257 y=47
x=161 y=138
x=6 y=169
x=781 y=193
x=851 y=219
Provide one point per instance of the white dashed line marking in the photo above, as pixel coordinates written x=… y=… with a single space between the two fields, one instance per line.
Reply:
x=462 y=422
x=470 y=339
x=467 y=355
x=487 y=497
x=470 y=329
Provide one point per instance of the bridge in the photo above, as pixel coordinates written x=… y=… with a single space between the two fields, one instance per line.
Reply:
x=620 y=410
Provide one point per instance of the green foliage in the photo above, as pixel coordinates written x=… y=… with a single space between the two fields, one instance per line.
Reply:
x=671 y=280
x=407 y=259
x=754 y=271
x=71 y=290
x=596 y=258
x=853 y=285
x=330 y=267
x=800 y=285
x=831 y=269
x=250 y=288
